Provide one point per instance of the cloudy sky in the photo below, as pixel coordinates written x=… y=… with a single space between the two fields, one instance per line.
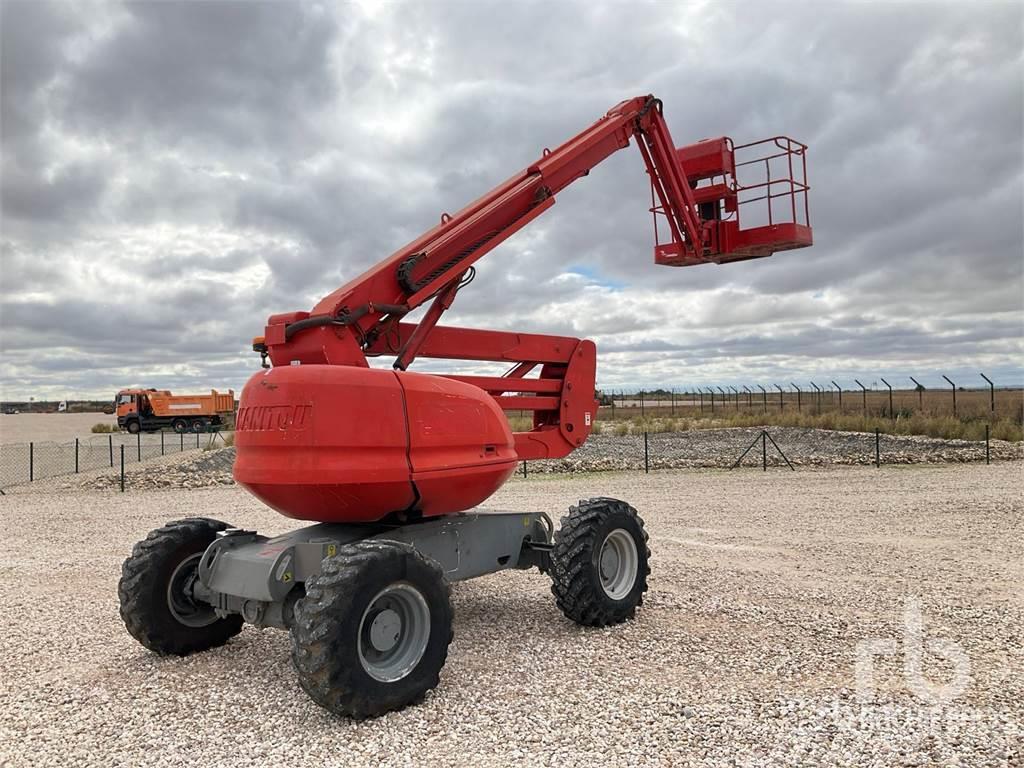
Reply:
x=172 y=173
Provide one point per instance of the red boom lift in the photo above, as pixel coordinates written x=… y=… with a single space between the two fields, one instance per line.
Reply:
x=388 y=461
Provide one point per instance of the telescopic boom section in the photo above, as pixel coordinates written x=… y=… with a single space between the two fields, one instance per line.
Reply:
x=363 y=317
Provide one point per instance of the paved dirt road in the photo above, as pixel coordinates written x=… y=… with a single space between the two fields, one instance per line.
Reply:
x=762 y=587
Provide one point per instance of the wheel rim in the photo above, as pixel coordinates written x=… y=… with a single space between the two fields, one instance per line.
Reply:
x=618 y=564
x=182 y=605
x=394 y=632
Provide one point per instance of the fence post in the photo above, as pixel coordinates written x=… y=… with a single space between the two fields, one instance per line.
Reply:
x=920 y=392
x=122 y=467
x=951 y=384
x=797 y=396
x=182 y=436
x=782 y=405
x=76 y=455
x=138 y=446
x=161 y=442
x=31 y=462
x=991 y=394
x=864 y=395
x=197 y=439
x=110 y=442
x=987 y=461
x=524 y=467
x=878 y=449
x=672 y=395
x=764 y=449
x=647 y=466
x=892 y=413
x=840 y=395
x=641 y=403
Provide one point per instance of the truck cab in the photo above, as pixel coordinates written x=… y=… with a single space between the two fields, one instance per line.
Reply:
x=133 y=408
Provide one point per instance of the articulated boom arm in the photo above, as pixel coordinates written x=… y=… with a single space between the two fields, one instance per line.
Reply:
x=363 y=317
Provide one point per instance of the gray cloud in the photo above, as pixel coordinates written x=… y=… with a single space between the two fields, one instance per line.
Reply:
x=174 y=172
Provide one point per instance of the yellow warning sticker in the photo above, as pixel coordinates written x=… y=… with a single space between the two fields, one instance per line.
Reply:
x=332 y=550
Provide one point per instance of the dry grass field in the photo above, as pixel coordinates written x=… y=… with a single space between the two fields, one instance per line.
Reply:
x=970 y=403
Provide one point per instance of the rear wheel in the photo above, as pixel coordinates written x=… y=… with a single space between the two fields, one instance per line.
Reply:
x=372 y=632
x=599 y=564
x=180 y=426
x=156 y=591
x=198 y=425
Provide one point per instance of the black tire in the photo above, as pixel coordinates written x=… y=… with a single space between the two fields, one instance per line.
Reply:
x=145 y=594
x=133 y=427
x=180 y=426
x=197 y=426
x=329 y=632
x=576 y=562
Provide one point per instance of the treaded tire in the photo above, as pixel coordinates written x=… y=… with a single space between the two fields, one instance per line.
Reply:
x=143 y=590
x=575 y=568
x=180 y=426
x=134 y=427
x=326 y=632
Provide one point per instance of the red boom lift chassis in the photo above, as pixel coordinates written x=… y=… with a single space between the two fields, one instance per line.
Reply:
x=391 y=463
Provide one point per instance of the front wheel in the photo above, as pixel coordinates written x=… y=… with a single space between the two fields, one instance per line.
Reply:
x=372 y=632
x=134 y=428
x=600 y=562
x=158 y=606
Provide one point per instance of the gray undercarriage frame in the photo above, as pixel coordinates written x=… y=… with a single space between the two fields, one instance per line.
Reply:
x=260 y=578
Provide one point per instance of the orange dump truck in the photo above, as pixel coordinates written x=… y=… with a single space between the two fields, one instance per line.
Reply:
x=148 y=410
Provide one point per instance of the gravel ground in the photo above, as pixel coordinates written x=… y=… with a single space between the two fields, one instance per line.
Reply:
x=743 y=654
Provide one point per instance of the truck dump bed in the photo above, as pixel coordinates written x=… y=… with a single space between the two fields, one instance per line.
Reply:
x=165 y=404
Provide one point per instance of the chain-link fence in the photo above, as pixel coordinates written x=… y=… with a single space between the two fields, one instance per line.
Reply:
x=764 y=448
x=767 y=447
x=33 y=461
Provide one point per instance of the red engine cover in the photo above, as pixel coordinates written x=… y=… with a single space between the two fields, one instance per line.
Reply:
x=336 y=443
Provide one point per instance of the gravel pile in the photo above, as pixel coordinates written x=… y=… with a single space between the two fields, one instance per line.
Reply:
x=801 y=446
x=743 y=653
x=209 y=469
